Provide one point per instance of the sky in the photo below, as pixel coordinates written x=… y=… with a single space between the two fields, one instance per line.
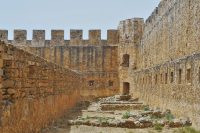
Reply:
x=70 y=14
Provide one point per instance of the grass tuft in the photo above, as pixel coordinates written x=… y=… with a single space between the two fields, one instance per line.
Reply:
x=126 y=115
x=186 y=130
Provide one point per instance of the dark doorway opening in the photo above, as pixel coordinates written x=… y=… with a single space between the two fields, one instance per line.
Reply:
x=126 y=88
x=125 y=62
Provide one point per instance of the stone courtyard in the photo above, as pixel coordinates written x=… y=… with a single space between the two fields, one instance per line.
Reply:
x=112 y=114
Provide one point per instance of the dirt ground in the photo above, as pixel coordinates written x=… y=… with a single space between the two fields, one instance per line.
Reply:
x=90 y=129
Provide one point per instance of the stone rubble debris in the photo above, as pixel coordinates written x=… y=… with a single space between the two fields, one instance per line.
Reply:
x=143 y=117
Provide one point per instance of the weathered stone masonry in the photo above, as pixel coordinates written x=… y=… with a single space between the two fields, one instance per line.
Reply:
x=95 y=59
x=166 y=60
x=157 y=60
x=33 y=91
x=41 y=79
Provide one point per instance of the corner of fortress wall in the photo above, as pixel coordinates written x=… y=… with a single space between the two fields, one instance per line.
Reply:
x=34 y=89
x=130 y=34
x=95 y=59
x=166 y=71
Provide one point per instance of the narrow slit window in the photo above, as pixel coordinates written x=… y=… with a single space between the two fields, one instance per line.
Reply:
x=179 y=76
x=188 y=75
x=166 y=77
x=143 y=81
x=110 y=83
x=156 y=79
x=199 y=74
x=172 y=77
x=150 y=80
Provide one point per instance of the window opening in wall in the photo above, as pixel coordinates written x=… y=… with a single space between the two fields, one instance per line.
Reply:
x=161 y=78
x=150 y=80
x=172 y=77
x=91 y=83
x=156 y=79
x=166 y=77
x=125 y=62
x=31 y=70
x=179 y=76
x=188 y=75
x=126 y=88
x=146 y=80
x=199 y=74
x=143 y=81
x=110 y=83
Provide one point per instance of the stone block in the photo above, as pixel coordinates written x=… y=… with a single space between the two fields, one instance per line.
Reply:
x=8 y=84
x=76 y=37
x=38 y=38
x=57 y=37
x=20 y=37
x=94 y=37
x=4 y=35
x=113 y=36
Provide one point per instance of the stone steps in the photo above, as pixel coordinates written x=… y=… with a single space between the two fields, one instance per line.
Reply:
x=126 y=114
x=106 y=107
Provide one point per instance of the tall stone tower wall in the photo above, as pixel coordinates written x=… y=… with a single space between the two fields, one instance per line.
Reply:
x=167 y=59
x=130 y=33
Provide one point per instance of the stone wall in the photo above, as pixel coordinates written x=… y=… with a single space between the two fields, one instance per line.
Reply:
x=131 y=31
x=171 y=32
x=100 y=84
x=167 y=58
x=33 y=91
x=93 y=57
x=172 y=85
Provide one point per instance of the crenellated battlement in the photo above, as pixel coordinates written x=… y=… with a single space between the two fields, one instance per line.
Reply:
x=57 y=38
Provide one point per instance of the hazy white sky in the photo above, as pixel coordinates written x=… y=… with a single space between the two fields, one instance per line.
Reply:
x=70 y=14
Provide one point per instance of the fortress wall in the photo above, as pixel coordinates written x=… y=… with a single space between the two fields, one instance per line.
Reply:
x=90 y=60
x=93 y=56
x=33 y=89
x=81 y=58
x=77 y=54
x=170 y=32
x=173 y=85
x=167 y=74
